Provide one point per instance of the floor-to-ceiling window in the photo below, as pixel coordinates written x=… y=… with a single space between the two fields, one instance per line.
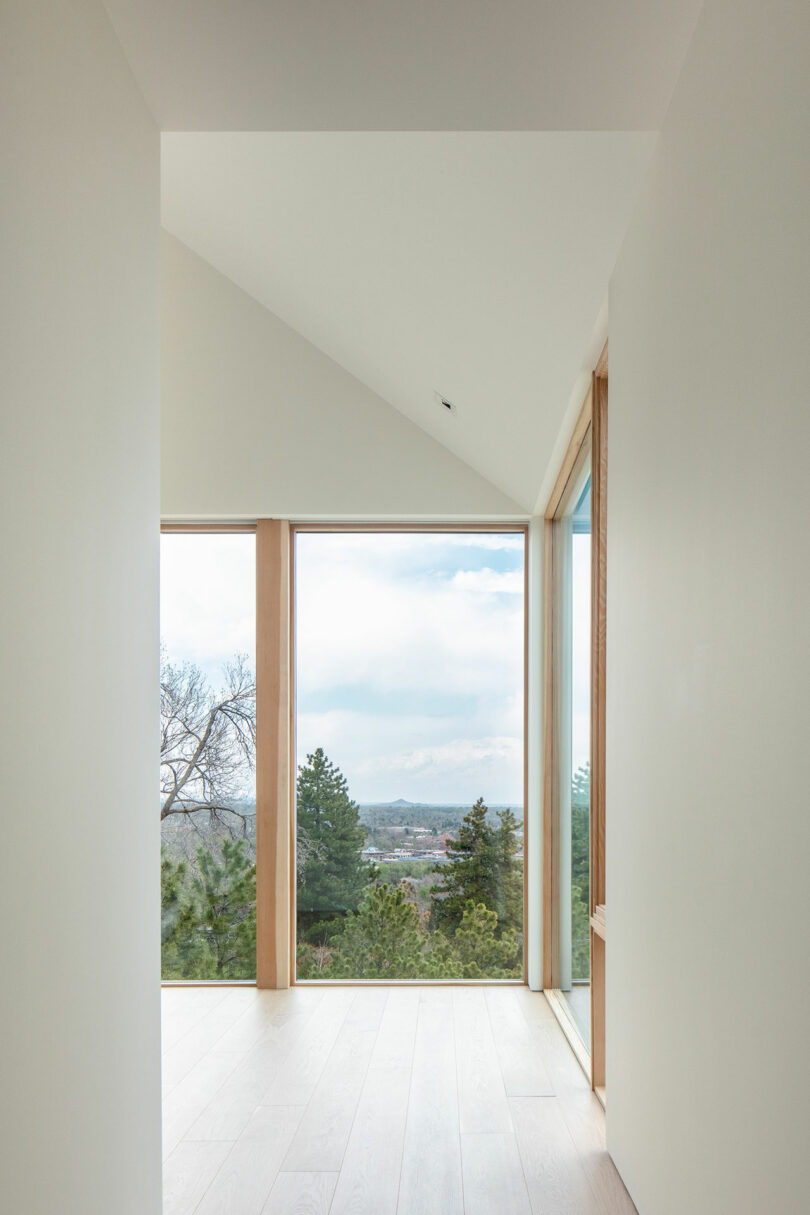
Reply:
x=574 y=662
x=380 y=811
x=207 y=755
x=409 y=783
x=572 y=575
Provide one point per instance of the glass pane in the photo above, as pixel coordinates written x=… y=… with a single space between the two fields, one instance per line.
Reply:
x=409 y=734
x=207 y=781
x=573 y=548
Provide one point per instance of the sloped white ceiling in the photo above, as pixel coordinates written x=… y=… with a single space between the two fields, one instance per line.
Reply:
x=473 y=265
x=369 y=65
x=434 y=194
x=257 y=422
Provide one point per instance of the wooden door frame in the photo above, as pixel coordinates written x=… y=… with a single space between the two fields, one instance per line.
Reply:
x=591 y=423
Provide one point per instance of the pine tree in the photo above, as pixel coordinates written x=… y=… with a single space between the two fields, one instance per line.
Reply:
x=507 y=875
x=185 y=953
x=580 y=873
x=480 y=951
x=333 y=875
x=227 y=895
x=386 y=939
x=468 y=874
x=381 y=940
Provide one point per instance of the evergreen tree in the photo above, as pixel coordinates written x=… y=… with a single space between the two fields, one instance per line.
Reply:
x=580 y=873
x=468 y=874
x=507 y=875
x=184 y=948
x=385 y=939
x=481 y=950
x=227 y=898
x=333 y=875
x=381 y=939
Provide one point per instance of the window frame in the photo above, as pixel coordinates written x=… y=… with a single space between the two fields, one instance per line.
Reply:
x=170 y=528
x=275 y=737
x=591 y=426
x=446 y=528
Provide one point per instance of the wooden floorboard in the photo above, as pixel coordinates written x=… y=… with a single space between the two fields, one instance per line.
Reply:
x=247 y=1175
x=378 y=1101
x=430 y=1181
x=324 y=1130
x=493 y=1176
x=301 y=1194
x=483 y=1108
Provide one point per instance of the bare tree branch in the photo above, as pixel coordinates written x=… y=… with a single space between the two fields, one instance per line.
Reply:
x=207 y=739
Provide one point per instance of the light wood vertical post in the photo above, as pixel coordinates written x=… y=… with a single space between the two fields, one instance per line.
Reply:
x=273 y=750
x=549 y=834
x=599 y=396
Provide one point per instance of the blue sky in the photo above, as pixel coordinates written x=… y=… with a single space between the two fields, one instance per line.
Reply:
x=409 y=652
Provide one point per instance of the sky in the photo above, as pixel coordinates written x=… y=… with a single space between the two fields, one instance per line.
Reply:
x=208 y=599
x=410 y=662
x=409 y=652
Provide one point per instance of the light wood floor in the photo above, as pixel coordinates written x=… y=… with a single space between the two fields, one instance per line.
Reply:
x=371 y=1101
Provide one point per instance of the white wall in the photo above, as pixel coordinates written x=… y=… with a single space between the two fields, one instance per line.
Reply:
x=257 y=421
x=79 y=1002
x=708 y=1001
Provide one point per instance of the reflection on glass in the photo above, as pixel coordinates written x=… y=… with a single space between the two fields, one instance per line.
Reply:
x=573 y=553
x=409 y=728
x=207 y=752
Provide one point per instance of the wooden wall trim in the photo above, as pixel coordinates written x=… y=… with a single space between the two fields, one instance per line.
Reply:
x=601 y=369
x=514 y=527
x=213 y=528
x=571 y=456
x=273 y=753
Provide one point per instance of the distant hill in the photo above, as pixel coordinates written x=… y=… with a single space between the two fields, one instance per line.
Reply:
x=385 y=824
x=402 y=813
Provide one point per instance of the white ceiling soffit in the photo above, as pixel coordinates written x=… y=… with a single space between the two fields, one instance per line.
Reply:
x=563 y=65
x=472 y=265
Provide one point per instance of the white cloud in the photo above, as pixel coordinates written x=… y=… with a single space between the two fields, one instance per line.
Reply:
x=454 y=767
x=361 y=620
x=496 y=542
x=490 y=582
x=435 y=648
x=208 y=598
x=410 y=656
